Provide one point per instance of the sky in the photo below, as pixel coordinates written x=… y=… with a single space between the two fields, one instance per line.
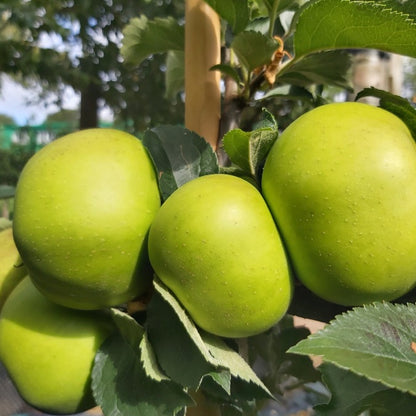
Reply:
x=14 y=98
x=14 y=102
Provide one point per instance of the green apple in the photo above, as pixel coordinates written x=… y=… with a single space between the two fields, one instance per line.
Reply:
x=48 y=350
x=83 y=207
x=12 y=270
x=341 y=184
x=215 y=245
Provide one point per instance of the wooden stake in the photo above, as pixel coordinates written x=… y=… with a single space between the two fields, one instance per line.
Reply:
x=202 y=86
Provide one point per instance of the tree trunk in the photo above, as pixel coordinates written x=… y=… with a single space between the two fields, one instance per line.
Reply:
x=89 y=106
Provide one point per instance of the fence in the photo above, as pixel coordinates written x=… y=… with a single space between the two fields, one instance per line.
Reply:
x=35 y=137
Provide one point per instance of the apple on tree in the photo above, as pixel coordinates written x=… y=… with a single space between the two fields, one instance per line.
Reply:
x=83 y=207
x=341 y=184
x=48 y=350
x=215 y=245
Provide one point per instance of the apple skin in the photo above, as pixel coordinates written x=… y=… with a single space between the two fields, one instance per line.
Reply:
x=215 y=245
x=341 y=184
x=12 y=270
x=83 y=207
x=48 y=350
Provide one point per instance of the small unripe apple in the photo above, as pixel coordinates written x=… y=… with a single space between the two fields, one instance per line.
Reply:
x=341 y=184
x=12 y=269
x=83 y=207
x=48 y=350
x=215 y=245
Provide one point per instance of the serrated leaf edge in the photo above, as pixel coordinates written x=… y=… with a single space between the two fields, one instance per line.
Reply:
x=187 y=322
x=214 y=343
x=147 y=352
x=336 y=322
x=135 y=29
x=371 y=3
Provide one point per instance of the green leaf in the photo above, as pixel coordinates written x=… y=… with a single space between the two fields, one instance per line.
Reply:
x=353 y=394
x=126 y=378
x=275 y=9
x=227 y=70
x=328 y=67
x=121 y=386
x=179 y=155
x=175 y=73
x=149 y=360
x=253 y=49
x=237 y=146
x=243 y=377
x=289 y=92
x=403 y=6
x=248 y=150
x=260 y=24
x=235 y=12
x=218 y=382
x=281 y=5
x=375 y=341
x=129 y=329
x=268 y=121
x=345 y=24
x=144 y=37
x=395 y=104
x=261 y=141
x=179 y=348
x=195 y=358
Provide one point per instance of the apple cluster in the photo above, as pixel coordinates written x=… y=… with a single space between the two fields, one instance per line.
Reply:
x=90 y=231
x=335 y=210
x=83 y=207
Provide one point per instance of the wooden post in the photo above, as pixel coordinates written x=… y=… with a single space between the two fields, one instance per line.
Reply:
x=202 y=86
